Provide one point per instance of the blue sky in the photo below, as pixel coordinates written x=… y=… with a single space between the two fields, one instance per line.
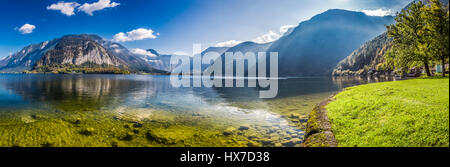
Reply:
x=167 y=26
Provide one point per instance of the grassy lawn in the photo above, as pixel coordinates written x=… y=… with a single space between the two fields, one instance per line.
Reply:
x=409 y=113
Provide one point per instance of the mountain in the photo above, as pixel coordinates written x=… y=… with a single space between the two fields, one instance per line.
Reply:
x=26 y=58
x=219 y=50
x=133 y=61
x=157 y=60
x=316 y=46
x=78 y=50
x=75 y=52
x=366 y=58
x=249 y=47
x=244 y=47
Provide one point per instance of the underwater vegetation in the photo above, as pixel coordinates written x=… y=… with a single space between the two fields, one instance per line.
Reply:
x=136 y=128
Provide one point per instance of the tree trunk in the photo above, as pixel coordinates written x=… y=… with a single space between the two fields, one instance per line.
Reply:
x=443 y=66
x=427 y=69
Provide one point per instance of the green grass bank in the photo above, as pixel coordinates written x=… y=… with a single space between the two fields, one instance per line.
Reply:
x=408 y=113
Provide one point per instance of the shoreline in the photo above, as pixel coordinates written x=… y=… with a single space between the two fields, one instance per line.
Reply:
x=318 y=131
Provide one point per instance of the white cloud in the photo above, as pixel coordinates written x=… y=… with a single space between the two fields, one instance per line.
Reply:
x=26 y=28
x=268 y=37
x=143 y=52
x=66 y=8
x=285 y=28
x=90 y=8
x=265 y=38
x=378 y=12
x=134 y=35
x=229 y=43
x=180 y=53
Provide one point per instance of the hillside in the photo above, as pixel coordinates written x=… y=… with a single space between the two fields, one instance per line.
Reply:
x=366 y=58
x=316 y=46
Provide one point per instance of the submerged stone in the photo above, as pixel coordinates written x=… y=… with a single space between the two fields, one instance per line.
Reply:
x=87 y=131
x=294 y=115
x=292 y=142
x=137 y=125
x=229 y=131
x=244 y=127
x=128 y=136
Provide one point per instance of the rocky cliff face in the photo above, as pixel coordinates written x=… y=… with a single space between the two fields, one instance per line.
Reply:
x=367 y=58
x=78 y=50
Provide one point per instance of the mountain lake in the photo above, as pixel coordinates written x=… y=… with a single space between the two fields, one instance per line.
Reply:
x=146 y=111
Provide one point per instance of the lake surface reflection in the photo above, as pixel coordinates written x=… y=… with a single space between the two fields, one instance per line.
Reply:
x=145 y=110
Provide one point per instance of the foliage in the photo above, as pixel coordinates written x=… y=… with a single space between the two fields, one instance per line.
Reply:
x=438 y=30
x=86 y=68
x=409 y=113
x=420 y=35
x=408 y=37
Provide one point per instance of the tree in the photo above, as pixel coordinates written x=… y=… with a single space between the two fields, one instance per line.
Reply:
x=437 y=29
x=409 y=44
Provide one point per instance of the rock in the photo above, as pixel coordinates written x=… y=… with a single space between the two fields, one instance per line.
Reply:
x=128 y=136
x=76 y=122
x=251 y=137
x=266 y=142
x=322 y=139
x=47 y=144
x=244 y=127
x=318 y=121
x=137 y=125
x=274 y=136
x=253 y=144
x=294 y=115
x=87 y=131
x=290 y=131
x=229 y=131
x=303 y=120
x=292 y=142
